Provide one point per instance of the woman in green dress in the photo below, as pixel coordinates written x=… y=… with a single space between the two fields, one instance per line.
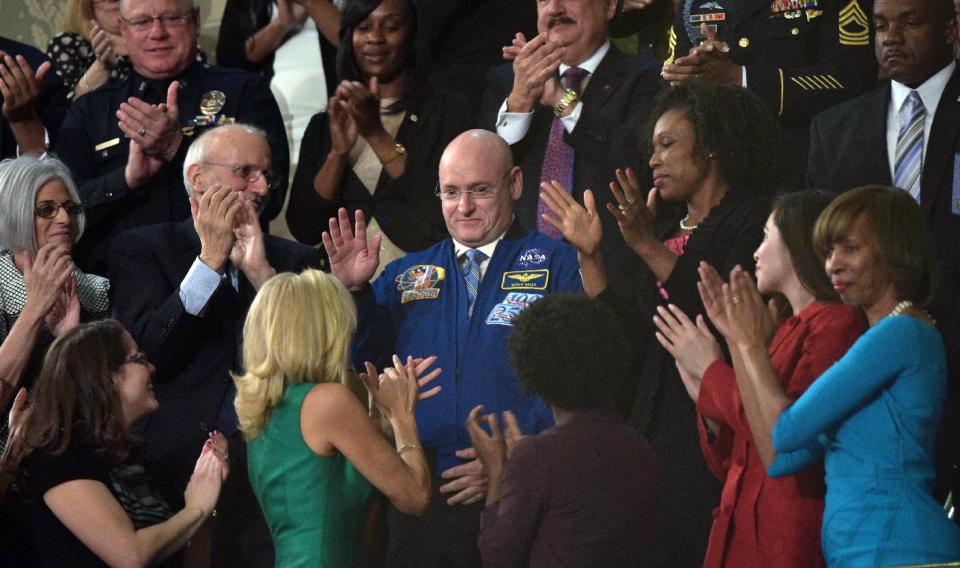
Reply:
x=313 y=449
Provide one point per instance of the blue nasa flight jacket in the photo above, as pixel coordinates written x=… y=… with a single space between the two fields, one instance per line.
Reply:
x=418 y=306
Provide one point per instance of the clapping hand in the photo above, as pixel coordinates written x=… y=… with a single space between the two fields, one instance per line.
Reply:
x=102 y=47
x=635 y=217
x=14 y=451
x=343 y=129
x=362 y=104
x=65 y=313
x=154 y=127
x=751 y=320
x=372 y=381
x=352 y=259
x=216 y=444
x=579 y=224
x=535 y=64
x=215 y=217
x=710 y=61
x=248 y=254
x=691 y=344
x=45 y=277
x=20 y=87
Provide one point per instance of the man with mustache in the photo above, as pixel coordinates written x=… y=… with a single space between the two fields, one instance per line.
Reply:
x=907 y=134
x=182 y=290
x=572 y=107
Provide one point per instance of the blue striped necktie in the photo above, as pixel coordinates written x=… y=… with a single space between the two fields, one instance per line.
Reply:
x=471 y=276
x=908 y=162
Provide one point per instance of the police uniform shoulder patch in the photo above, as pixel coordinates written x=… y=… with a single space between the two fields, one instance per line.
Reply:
x=419 y=282
x=854 y=26
x=525 y=280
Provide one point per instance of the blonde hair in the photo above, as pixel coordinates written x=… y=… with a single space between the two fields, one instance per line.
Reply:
x=298 y=330
x=78 y=16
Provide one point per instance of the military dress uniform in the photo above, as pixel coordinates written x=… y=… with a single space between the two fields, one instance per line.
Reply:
x=801 y=56
x=96 y=150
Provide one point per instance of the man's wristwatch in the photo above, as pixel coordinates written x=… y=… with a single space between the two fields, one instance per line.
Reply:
x=566 y=100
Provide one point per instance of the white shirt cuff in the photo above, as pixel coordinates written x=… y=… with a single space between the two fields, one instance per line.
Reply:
x=743 y=76
x=570 y=121
x=513 y=126
x=198 y=286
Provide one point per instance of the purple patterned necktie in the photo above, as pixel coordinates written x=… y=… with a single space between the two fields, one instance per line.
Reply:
x=558 y=157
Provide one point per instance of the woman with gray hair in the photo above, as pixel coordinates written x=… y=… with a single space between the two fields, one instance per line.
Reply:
x=42 y=294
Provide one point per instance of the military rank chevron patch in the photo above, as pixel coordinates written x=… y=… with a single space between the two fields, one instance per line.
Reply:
x=854 y=27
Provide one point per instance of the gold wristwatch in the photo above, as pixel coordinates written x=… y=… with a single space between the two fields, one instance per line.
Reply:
x=398 y=151
x=566 y=100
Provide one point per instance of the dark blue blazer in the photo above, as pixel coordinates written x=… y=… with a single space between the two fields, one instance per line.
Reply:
x=193 y=354
x=112 y=207
x=51 y=106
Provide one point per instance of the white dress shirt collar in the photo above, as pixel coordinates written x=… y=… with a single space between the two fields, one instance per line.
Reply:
x=929 y=91
x=592 y=62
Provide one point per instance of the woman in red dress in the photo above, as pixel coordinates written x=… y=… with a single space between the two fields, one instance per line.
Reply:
x=761 y=521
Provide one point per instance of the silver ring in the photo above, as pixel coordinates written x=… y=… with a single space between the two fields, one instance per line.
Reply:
x=735 y=299
x=142 y=131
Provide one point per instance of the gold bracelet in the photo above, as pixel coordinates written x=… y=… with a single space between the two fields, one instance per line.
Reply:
x=407 y=447
x=398 y=151
x=566 y=100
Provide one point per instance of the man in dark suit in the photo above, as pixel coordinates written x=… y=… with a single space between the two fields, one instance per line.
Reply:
x=857 y=143
x=125 y=142
x=33 y=100
x=183 y=290
x=589 y=129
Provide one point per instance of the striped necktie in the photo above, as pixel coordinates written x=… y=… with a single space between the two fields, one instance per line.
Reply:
x=471 y=276
x=908 y=162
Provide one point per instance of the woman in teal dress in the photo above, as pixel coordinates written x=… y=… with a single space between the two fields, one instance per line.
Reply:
x=873 y=415
x=315 y=455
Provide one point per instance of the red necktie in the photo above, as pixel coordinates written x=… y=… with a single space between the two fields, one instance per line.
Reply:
x=558 y=157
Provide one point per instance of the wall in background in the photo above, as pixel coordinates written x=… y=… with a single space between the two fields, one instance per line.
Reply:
x=36 y=21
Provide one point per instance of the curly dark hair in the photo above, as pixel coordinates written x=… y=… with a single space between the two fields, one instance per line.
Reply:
x=736 y=128
x=581 y=377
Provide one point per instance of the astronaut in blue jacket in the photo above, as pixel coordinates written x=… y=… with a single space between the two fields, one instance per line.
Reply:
x=424 y=304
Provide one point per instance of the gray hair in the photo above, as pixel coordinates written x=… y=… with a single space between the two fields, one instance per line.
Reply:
x=190 y=5
x=197 y=152
x=20 y=182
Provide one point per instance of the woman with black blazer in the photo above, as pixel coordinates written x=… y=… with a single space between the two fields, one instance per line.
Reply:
x=716 y=162
x=378 y=146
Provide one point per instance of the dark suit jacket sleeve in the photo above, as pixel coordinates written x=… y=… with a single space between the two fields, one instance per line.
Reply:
x=496 y=91
x=101 y=194
x=608 y=136
x=147 y=302
x=406 y=208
